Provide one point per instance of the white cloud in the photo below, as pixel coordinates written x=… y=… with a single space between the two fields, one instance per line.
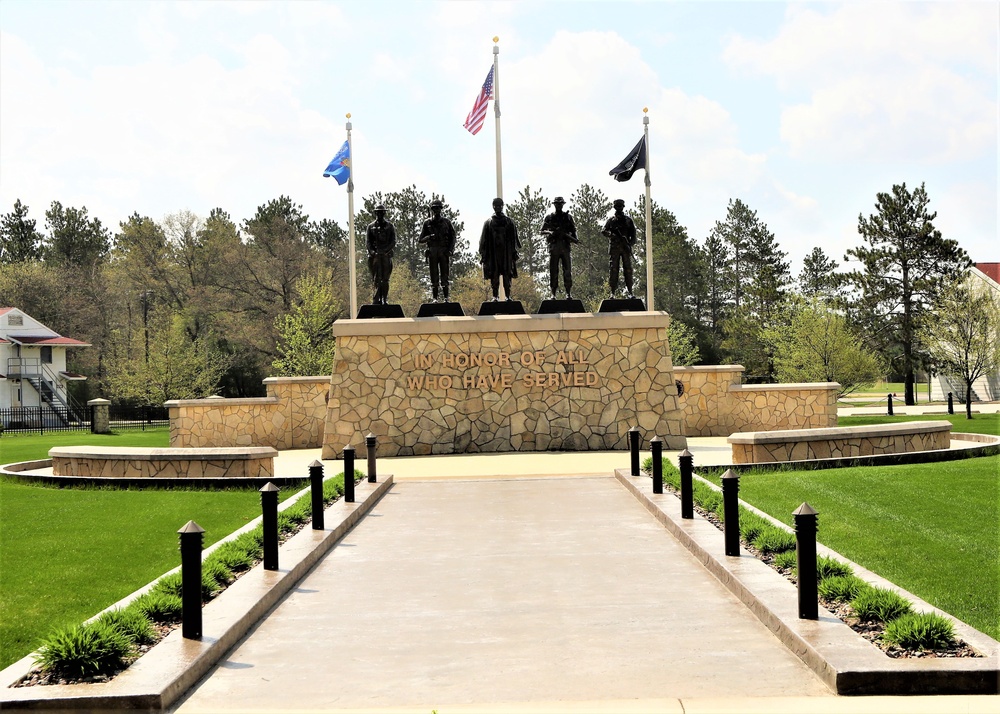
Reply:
x=885 y=81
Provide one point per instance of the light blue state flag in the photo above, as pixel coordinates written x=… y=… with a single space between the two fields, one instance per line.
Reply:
x=340 y=166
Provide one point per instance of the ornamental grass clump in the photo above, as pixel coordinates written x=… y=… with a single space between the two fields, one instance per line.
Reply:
x=879 y=605
x=131 y=622
x=84 y=651
x=772 y=539
x=751 y=525
x=827 y=567
x=233 y=556
x=841 y=588
x=785 y=560
x=920 y=631
x=162 y=607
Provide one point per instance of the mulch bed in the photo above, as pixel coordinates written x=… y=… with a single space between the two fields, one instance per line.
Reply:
x=871 y=631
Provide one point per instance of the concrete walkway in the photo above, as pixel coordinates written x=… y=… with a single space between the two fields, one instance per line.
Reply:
x=459 y=593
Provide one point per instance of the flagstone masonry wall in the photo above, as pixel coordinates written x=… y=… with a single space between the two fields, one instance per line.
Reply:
x=715 y=403
x=291 y=416
x=505 y=383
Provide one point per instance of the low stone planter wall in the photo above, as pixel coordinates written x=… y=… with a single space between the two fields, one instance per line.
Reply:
x=715 y=403
x=136 y=462
x=805 y=444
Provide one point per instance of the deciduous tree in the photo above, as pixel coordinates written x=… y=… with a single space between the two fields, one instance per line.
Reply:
x=963 y=334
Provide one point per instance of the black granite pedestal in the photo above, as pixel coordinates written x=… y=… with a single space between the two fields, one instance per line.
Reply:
x=632 y=304
x=549 y=307
x=502 y=307
x=369 y=312
x=441 y=309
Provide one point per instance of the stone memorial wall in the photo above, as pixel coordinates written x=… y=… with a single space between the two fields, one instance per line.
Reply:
x=506 y=383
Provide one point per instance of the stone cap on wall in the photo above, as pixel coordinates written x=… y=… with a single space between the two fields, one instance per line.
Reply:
x=840 y=432
x=711 y=368
x=287 y=380
x=501 y=323
x=139 y=453
x=221 y=401
x=783 y=387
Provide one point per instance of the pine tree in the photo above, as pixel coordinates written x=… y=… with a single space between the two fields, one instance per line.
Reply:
x=20 y=241
x=905 y=265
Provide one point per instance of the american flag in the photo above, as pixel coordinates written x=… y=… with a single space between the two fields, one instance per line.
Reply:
x=474 y=122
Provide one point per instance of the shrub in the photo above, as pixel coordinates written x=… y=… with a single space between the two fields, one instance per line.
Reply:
x=159 y=606
x=84 y=650
x=841 y=588
x=131 y=622
x=785 y=560
x=831 y=568
x=878 y=604
x=920 y=631
x=772 y=539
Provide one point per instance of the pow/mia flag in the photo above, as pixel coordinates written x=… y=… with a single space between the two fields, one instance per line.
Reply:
x=635 y=160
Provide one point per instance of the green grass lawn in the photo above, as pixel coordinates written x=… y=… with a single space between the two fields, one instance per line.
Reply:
x=66 y=554
x=933 y=529
x=27 y=447
x=882 y=388
x=978 y=424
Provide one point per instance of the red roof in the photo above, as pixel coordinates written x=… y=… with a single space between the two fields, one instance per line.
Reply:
x=64 y=341
x=5 y=310
x=991 y=270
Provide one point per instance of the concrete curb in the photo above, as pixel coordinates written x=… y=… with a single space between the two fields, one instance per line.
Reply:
x=164 y=674
x=845 y=661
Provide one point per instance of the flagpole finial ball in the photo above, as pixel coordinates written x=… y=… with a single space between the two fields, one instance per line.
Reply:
x=348 y=115
x=495 y=38
x=645 y=110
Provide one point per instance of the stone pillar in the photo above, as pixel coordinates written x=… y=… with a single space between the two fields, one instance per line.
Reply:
x=100 y=416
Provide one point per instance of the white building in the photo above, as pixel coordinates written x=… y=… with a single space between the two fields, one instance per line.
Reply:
x=987 y=387
x=33 y=374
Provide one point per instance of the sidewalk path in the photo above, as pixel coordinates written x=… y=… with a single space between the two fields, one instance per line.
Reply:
x=489 y=591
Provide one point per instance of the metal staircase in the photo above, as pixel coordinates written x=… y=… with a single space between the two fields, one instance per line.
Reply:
x=44 y=381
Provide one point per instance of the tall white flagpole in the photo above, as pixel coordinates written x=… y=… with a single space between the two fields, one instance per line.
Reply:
x=352 y=261
x=496 y=112
x=649 y=219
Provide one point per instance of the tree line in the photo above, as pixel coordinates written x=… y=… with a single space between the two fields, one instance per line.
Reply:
x=189 y=306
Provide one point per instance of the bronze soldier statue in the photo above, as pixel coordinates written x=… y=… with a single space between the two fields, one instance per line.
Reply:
x=498 y=246
x=439 y=235
x=381 y=240
x=560 y=235
x=620 y=231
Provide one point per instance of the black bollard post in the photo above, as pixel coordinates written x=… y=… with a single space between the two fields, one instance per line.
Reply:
x=316 y=484
x=686 y=462
x=888 y=398
x=192 y=536
x=371 y=444
x=656 y=444
x=731 y=511
x=951 y=404
x=806 y=525
x=633 y=447
x=349 y=474
x=269 y=508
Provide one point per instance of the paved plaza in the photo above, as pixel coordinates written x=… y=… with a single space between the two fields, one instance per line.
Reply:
x=489 y=591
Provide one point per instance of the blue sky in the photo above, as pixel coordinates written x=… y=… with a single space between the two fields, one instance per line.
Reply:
x=802 y=110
